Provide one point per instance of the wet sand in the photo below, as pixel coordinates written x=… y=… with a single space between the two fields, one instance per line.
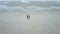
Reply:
x=39 y=23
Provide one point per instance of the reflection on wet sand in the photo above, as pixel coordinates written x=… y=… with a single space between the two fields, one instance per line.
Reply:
x=39 y=23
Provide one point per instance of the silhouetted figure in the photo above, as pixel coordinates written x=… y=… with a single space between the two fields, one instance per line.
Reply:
x=28 y=16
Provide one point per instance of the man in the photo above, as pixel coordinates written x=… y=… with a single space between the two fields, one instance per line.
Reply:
x=28 y=16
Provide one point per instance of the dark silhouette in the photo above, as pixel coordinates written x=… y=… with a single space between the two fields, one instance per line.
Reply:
x=28 y=16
